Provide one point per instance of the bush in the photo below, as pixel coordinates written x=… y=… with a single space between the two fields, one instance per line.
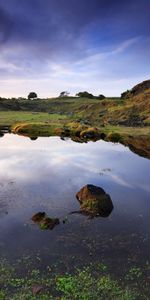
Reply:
x=85 y=95
x=101 y=97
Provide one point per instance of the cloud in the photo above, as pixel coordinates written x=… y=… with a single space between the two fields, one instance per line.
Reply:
x=6 y=26
x=64 y=24
x=103 y=55
x=69 y=42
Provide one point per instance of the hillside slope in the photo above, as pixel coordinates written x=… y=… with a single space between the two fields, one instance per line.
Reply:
x=133 y=109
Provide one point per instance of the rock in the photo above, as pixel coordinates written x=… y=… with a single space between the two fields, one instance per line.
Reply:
x=38 y=217
x=59 y=131
x=44 y=221
x=36 y=289
x=85 y=122
x=48 y=223
x=114 y=137
x=70 y=114
x=103 y=136
x=137 y=89
x=141 y=87
x=94 y=201
x=65 y=220
x=90 y=133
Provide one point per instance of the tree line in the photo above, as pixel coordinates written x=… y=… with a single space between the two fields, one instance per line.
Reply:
x=65 y=94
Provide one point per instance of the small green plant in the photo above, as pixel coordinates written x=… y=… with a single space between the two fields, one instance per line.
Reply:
x=102 y=267
x=134 y=273
x=90 y=283
x=84 y=286
x=2 y=295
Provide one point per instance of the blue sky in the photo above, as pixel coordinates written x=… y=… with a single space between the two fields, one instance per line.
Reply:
x=102 y=46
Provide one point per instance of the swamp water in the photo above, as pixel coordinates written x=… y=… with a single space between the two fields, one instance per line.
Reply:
x=44 y=176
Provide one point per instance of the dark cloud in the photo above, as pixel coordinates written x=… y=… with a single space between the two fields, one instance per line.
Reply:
x=6 y=26
x=61 y=23
x=35 y=34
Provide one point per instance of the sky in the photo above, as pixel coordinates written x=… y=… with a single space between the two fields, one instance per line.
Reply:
x=50 y=46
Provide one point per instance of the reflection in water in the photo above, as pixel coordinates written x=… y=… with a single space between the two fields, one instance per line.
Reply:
x=1 y=134
x=33 y=138
x=45 y=175
x=139 y=145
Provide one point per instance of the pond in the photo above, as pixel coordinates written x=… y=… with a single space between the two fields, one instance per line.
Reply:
x=44 y=175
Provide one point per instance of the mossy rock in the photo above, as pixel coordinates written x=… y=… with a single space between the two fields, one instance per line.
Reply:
x=94 y=201
x=38 y=217
x=114 y=137
x=90 y=133
x=59 y=131
x=44 y=221
x=48 y=223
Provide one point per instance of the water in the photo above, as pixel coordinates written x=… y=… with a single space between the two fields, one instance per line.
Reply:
x=45 y=175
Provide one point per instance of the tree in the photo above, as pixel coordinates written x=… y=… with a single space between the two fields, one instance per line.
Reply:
x=32 y=96
x=85 y=95
x=64 y=94
x=101 y=97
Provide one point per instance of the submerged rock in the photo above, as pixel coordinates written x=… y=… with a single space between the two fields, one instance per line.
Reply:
x=48 y=223
x=38 y=217
x=36 y=289
x=94 y=201
x=44 y=221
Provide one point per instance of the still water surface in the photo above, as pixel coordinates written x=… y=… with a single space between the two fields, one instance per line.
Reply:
x=45 y=175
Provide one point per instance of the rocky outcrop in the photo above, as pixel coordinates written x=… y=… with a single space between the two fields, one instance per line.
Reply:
x=141 y=87
x=94 y=201
x=137 y=89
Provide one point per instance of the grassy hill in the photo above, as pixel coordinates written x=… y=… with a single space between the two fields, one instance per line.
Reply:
x=132 y=110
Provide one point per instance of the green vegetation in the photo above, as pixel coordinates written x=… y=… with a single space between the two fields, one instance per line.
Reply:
x=9 y=118
x=89 y=283
x=125 y=120
x=35 y=124
x=84 y=286
x=32 y=95
x=85 y=95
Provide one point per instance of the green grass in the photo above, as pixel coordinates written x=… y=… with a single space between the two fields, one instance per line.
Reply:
x=113 y=110
x=13 y=117
x=10 y=118
x=84 y=286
